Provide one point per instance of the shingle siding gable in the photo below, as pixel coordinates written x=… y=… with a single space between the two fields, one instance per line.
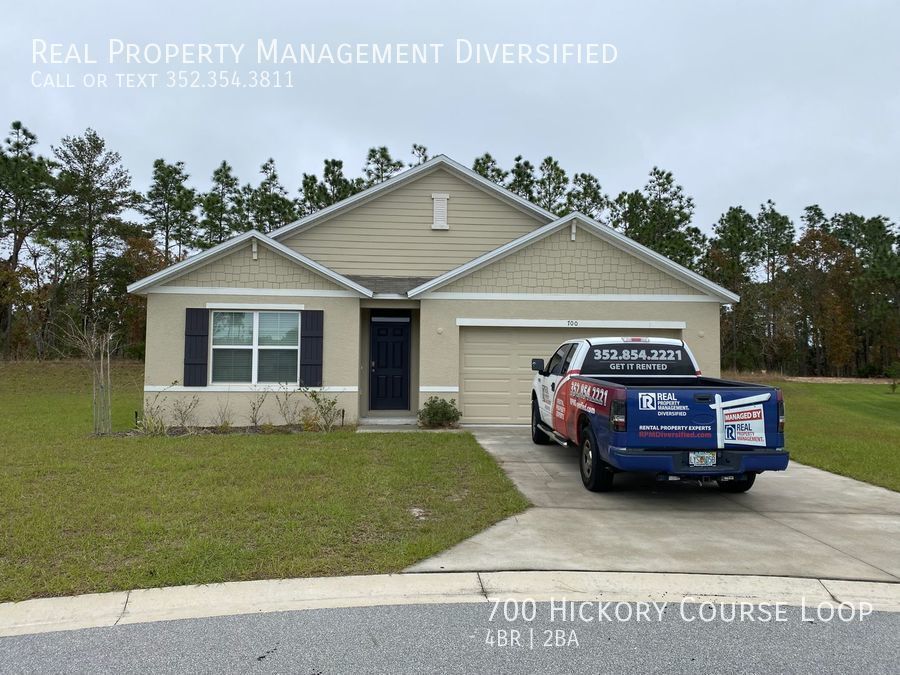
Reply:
x=557 y=264
x=240 y=270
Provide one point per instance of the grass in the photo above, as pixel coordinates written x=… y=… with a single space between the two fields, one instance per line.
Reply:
x=848 y=429
x=83 y=514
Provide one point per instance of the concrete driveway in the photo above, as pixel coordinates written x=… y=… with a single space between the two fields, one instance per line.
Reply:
x=803 y=522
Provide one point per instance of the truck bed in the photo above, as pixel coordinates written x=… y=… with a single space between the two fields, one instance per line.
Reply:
x=663 y=382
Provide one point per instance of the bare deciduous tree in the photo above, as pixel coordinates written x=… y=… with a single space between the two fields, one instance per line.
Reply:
x=95 y=346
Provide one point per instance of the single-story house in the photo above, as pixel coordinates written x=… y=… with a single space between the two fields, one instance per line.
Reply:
x=434 y=282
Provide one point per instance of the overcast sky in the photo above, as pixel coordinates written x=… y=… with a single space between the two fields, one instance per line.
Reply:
x=794 y=101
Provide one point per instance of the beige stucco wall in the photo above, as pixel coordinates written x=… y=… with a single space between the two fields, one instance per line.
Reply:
x=236 y=405
x=239 y=270
x=556 y=264
x=392 y=236
x=440 y=334
x=164 y=361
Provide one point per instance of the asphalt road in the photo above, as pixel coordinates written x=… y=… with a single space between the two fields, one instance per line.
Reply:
x=455 y=639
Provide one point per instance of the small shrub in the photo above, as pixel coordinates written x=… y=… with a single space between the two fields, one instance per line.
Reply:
x=438 y=412
x=267 y=428
x=309 y=419
x=893 y=372
x=289 y=407
x=183 y=412
x=223 y=420
x=256 y=405
x=325 y=409
x=152 y=421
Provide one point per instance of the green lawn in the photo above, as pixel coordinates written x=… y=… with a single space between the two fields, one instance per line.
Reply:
x=850 y=429
x=82 y=514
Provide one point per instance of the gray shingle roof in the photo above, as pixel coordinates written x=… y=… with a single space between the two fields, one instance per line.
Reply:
x=378 y=284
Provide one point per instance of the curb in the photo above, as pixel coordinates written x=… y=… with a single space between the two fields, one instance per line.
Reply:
x=44 y=615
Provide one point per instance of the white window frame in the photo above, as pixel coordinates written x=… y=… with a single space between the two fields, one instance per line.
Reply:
x=254 y=347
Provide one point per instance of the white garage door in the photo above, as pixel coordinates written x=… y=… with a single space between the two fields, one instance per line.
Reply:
x=496 y=372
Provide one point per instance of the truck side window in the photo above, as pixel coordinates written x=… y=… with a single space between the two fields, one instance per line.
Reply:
x=568 y=360
x=556 y=361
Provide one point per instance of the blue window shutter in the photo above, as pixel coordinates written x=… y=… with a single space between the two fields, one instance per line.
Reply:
x=312 y=324
x=196 y=347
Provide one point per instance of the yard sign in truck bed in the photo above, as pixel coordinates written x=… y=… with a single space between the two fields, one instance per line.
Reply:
x=641 y=404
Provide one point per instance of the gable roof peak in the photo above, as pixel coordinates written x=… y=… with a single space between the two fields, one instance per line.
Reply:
x=601 y=230
x=407 y=176
x=219 y=250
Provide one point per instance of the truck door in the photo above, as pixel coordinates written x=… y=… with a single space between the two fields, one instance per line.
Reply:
x=550 y=380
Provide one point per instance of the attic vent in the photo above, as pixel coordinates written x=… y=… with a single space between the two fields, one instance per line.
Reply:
x=440 y=211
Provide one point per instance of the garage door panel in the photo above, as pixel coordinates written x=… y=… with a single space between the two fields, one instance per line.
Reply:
x=495 y=364
x=475 y=387
x=487 y=361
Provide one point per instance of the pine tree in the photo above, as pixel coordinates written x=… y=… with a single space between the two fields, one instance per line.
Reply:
x=550 y=188
x=268 y=206
x=96 y=192
x=487 y=166
x=380 y=166
x=221 y=213
x=334 y=187
x=27 y=202
x=587 y=197
x=776 y=237
x=169 y=206
x=522 y=180
x=733 y=253
x=419 y=153
x=659 y=217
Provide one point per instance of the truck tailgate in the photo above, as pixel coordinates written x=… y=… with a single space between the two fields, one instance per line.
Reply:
x=701 y=418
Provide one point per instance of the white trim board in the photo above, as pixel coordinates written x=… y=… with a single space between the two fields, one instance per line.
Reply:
x=571 y=323
x=567 y=297
x=251 y=306
x=280 y=292
x=439 y=389
x=240 y=388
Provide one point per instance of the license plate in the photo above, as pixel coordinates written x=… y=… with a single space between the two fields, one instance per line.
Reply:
x=702 y=458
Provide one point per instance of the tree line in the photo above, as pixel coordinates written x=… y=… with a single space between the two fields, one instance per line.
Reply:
x=819 y=297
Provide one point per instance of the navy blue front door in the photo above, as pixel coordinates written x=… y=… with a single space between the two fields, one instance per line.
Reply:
x=389 y=363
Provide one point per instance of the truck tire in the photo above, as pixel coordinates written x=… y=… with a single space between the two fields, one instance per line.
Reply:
x=537 y=436
x=596 y=474
x=737 y=486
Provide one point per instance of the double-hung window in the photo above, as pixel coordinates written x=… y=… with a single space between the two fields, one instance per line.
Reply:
x=255 y=347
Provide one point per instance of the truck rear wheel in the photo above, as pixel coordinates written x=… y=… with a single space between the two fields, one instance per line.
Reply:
x=596 y=474
x=737 y=486
x=537 y=436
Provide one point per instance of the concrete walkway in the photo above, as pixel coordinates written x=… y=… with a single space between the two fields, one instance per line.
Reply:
x=800 y=523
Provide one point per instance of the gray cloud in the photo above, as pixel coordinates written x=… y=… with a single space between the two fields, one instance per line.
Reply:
x=797 y=101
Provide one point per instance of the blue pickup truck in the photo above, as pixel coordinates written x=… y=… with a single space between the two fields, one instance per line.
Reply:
x=641 y=404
